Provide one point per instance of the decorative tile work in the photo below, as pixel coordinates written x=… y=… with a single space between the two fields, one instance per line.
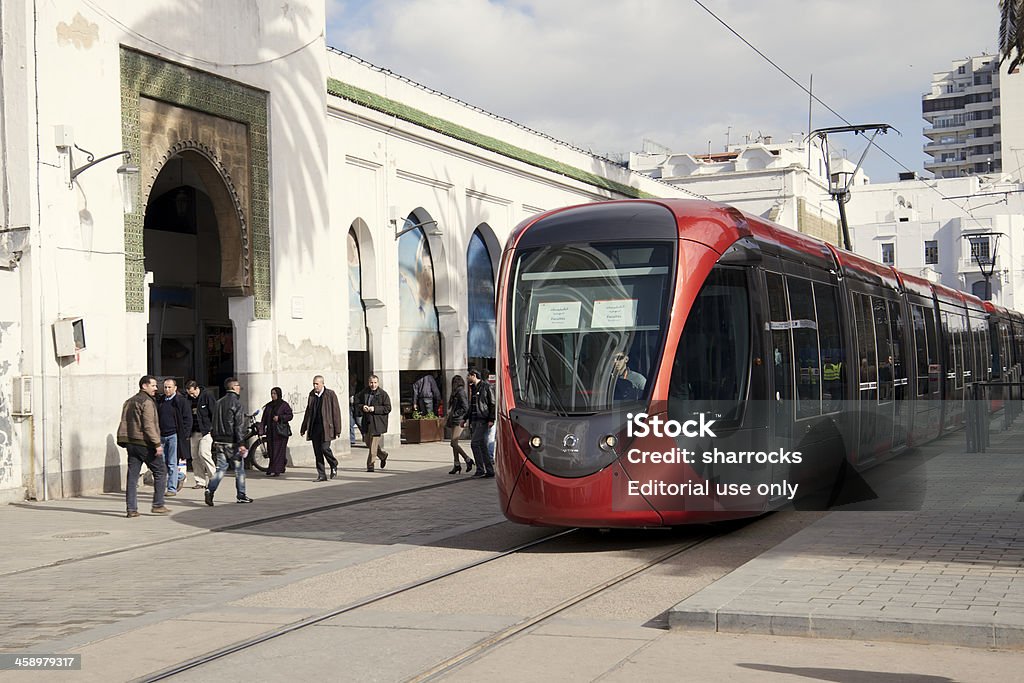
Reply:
x=143 y=75
x=454 y=130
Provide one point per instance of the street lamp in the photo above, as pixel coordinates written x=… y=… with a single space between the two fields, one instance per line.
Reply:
x=985 y=258
x=127 y=175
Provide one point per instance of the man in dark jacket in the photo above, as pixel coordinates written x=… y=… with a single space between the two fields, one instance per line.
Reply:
x=201 y=440
x=374 y=405
x=175 y=415
x=322 y=422
x=426 y=396
x=481 y=419
x=139 y=433
x=228 y=431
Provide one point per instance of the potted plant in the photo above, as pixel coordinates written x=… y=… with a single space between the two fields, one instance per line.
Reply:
x=422 y=428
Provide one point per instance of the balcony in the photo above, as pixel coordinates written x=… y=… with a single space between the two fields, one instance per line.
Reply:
x=969 y=266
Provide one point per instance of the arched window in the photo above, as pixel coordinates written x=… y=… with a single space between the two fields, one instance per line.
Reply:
x=356 y=311
x=980 y=290
x=419 y=339
x=480 y=343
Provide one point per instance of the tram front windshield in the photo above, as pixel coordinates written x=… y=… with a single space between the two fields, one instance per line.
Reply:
x=587 y=324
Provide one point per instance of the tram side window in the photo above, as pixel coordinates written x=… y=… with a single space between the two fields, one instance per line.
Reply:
x=804 y=326
x=782 y=356
x=921 y=348
x=833 y=368
x=711 y=365
x=867 y=372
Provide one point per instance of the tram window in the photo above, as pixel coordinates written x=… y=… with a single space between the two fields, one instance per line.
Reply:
x=833 y=369
x=711 y=364
x=921 y=349
x=934 y=365
x=883 y=341
x=867 y=369
x=782 y=353
x=899 y=373
x=804 y=327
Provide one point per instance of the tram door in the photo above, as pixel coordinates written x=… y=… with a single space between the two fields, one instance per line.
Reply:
x=867 y=377
x=899 y=375
x=953 y=326
x=886 y=376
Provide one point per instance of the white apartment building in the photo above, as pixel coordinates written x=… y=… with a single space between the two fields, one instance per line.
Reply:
x=947 y=230
x=785 y=183
x=963 y=112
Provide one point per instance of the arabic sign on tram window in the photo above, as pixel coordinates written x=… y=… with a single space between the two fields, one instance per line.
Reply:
x=558 y=315
x=614 y=314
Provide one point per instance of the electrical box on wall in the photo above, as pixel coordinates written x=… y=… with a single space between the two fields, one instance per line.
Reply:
x=22 y=397
x=69 y=336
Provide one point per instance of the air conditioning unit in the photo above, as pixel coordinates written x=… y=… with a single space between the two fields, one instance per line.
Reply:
x=22 y=398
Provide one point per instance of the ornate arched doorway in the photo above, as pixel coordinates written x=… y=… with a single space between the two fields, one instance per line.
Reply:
x=480 y=346
x=196 y=253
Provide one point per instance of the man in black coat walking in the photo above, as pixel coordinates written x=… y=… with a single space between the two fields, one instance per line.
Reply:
x=323 y=423
x=481 y=419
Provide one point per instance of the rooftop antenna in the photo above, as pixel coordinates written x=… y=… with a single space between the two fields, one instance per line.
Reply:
x=840 y=190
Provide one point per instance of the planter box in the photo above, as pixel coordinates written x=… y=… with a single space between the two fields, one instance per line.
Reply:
x=423 y=431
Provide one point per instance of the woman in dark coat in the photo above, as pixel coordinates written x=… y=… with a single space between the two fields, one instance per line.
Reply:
x=277 y=416
x=458 y=406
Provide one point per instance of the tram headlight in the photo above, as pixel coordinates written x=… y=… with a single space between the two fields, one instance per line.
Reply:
x=609 y=442
x=536 y=442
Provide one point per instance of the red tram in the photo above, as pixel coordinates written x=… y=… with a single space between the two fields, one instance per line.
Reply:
x=680 y=308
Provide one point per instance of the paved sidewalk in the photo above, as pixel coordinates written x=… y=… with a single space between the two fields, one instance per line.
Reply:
x=55 y=532
x=951 y=572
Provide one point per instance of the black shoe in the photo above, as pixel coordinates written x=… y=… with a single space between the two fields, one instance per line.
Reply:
x=243 y=499
x=456 y=469
x=273 y=474
x=334 y=472
x=320 y=479
x=209 y=497
x=480 y=474
x=383 y=459
x=489 y=475
x=369 y=469
x=469 y=466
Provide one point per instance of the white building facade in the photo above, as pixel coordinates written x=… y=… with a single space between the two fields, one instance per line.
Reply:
x=274 y=174
x=951 y=231
x=787 y=183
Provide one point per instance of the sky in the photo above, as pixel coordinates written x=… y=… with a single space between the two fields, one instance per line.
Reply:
x=608 y=75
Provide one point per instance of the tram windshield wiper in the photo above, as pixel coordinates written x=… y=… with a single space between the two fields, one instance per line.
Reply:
x=537 y=370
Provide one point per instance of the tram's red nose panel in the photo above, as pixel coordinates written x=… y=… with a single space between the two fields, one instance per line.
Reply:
x=530 y=496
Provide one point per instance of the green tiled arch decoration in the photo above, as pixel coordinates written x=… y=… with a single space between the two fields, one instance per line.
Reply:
x=454 y=130
x=143 y=75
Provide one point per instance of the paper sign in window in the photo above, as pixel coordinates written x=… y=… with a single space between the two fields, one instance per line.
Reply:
x=561 y=315
x=614 y=313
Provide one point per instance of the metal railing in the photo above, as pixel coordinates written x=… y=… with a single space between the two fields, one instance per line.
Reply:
x=979 y=415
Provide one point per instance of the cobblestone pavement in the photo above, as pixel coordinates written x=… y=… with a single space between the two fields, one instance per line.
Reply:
x=951 y=572
x=181 y=567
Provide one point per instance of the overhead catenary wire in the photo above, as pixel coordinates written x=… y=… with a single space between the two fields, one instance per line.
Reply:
x=842 y=118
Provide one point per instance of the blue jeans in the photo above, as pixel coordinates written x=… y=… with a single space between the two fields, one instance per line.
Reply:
x=225 y=453
x=170 y=444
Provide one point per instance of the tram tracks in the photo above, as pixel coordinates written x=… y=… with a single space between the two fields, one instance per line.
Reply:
x=237 y=526
x=475 y=651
